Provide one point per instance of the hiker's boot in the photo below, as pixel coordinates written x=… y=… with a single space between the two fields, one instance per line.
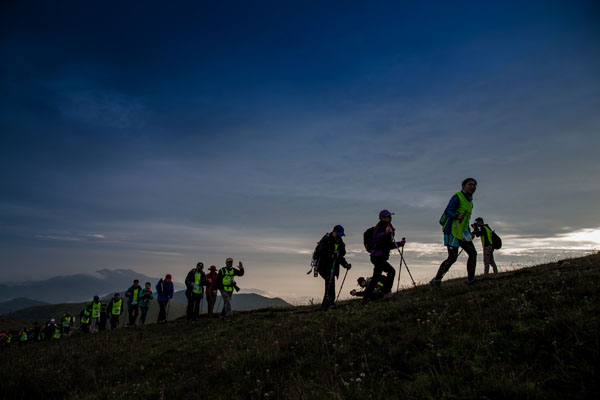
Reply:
x=435 y=283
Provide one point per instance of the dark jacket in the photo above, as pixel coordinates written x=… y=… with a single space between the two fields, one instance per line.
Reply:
x=190 y=280
x=329 y=256
x=383 y=240
x=164 y=290
x=481 y=232
x=236 y=272
x=129 y=294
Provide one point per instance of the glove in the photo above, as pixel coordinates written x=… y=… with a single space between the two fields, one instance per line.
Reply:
x=348 y=266
x=402 y=242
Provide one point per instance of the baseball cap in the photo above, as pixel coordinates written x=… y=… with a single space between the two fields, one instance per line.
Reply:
x=385 y=213
x=213 y=268
x=339 y=230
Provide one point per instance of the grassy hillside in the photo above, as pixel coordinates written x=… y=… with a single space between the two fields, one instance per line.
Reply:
x=526 y=334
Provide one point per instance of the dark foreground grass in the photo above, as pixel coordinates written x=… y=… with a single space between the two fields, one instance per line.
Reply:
x=527 y=334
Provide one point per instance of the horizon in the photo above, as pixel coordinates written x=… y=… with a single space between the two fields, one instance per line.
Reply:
x=150 y=137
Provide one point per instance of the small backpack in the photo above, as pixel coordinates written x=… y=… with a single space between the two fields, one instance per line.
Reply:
x=496 y=241
x=368 y=239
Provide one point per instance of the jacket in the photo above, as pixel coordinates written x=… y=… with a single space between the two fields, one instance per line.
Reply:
x=164 y=290
x=326 y=253
x=383 y=241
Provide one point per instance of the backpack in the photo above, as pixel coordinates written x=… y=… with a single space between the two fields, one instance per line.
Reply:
x=496 y=241
x=368 y=239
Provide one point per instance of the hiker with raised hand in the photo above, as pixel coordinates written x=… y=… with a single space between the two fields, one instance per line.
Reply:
x=211 y=289
x=383 y=240
x=133 y=301
x=328 y=256
x=455 y=225
x=145 y=299
x=115 y=309
x=164 y=292
x=194 y=283
x=480 y=229
x=226 y=284
x=363 y=283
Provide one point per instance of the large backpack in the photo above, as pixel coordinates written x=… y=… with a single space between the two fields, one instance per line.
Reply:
x=368 y=238
x=496 y=241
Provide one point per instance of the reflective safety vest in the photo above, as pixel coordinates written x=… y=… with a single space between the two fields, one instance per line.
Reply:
x=9 y=339
x=460 y=229
x=96 y=309
x=116 y=308
x=197 y=286
x=136 y=294
x=85 y=319
x=56 y=334
x=378 y=287
x=23 y=337
x=227 y=279
x=67 y=321
x=488 y=233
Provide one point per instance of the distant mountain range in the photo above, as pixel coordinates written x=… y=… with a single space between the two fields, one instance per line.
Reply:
x=76 y=288
x=19 y=304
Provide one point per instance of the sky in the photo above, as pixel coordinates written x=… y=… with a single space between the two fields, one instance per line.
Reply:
x=151 y=136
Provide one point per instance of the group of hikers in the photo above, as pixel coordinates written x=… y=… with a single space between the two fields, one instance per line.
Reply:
x=379 y=240
x=96 y=314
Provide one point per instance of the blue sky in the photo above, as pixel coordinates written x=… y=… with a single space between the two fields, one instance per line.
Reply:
x=151 y=136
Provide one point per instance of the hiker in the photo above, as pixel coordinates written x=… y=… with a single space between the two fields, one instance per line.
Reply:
x=50 y=329
x=103 y=317
x=194 y=283
x=115 y=308
x=84 y=318
x=455 y=225
x=96 y=307
x=133 y=300
x=480 y=229
x=226 y=284
x=211 y=289
x=145 y=299
x=363 y=283
x=22 y=336
x=383 y=241
x=164 y=292
x=37 y=332
x=66 y=322
x=328 y=256
x=3 y=340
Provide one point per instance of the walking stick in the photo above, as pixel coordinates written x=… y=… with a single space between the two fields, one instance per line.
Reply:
x=168 y=308
x=340 y=291
x=399 y=268
x=409 y=274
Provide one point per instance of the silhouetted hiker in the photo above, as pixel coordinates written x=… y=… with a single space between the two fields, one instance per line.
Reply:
x=3 y=340
x=103 y=317
x=37 y=332
x=455 y=224
x=194 y=283
x=328 y=256
x=226 y=284
x=133 y=301
x=145 y=299
x=211 y=289
x=164 y=292
x=363 y=283
x=66 y=322
x=115 y=309
x=485 y=232
x=383 y=241
x=96 y=307
x=84 y=318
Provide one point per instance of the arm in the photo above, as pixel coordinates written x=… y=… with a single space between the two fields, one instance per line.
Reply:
x=451 y=208
x=240 y=270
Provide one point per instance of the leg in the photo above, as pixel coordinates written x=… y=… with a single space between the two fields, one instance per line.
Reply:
x=329 y=288
x=377 y=270
x=144 y=311
x=469 y=248
x=197 y=299
x=136 y=310
x=492 y=261
x=447 y=263
x=190 y=306
x=486 y=259
x=391 y=274
x=210 y=299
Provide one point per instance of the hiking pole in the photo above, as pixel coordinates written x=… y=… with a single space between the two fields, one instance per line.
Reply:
x=409 y=274
x=401 y=258
x=344 y=280
x=168 y=308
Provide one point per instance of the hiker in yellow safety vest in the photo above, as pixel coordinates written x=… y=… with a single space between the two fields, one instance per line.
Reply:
x=115 y=309
x=455 y=225
x=226 y=284
x=66 y=322
x=96 y=307
x=133 y=301
x=84 y=318
x=195 y=281
x=485 y=232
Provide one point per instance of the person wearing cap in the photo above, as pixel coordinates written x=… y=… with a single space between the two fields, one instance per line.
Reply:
x=133 y=301
x=211 y=289
x=50 y=330
x=194 y=283
x=66 y=322
x=115 y=309
x=164 y=292
x=328 y=256
x=363 y=283
x=96 y=307
x=145 y=299
x=455 y=223
x=383 y=241
x=226 y=284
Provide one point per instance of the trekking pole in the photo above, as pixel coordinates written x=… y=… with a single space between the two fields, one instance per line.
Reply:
x=340 y=291
x=399 y=268
x=409 y=274
x=168 y=308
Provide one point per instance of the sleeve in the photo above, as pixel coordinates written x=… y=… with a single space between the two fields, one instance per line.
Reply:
x=452 y=206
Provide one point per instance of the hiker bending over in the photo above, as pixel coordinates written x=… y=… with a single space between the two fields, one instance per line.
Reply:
x=328 y=256
x=164 y=292
x=363 y=283
x=455 y=224
x=226 y=284
x=485 y=232
x=383 y=241
x=194 y=283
